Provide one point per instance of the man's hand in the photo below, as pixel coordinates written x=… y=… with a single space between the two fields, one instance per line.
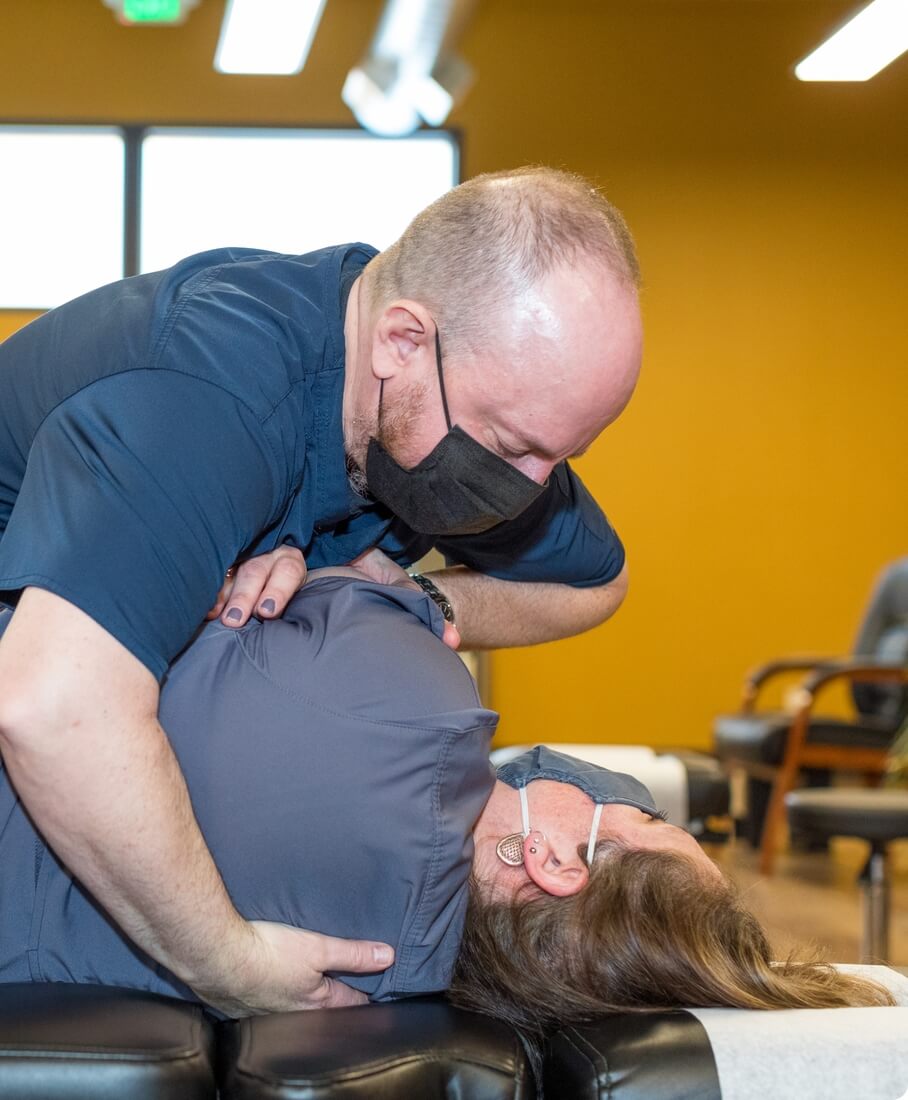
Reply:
x=382 y=569
x=264 y=585
x=300 y=959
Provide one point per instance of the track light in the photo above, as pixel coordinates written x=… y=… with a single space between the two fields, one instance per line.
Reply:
x=410 y=73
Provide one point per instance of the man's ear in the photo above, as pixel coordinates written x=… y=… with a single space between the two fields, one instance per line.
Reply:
x=558 y=877
x=404 y=333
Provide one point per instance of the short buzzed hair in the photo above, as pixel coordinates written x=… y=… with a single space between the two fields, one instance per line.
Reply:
x=484 y=244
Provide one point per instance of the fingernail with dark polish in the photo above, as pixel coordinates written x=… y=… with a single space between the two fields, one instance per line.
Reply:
x=234 y=614
x=267 y=606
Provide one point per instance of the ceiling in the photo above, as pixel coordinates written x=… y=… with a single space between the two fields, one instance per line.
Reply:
x=648 y=78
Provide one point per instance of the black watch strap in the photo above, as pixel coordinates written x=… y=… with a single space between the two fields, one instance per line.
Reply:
x=432 y=590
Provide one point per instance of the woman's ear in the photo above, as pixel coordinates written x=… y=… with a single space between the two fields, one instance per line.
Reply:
x=403 y=331
x=559 y=877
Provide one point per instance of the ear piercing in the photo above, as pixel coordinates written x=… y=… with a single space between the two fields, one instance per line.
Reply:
x=510 y=849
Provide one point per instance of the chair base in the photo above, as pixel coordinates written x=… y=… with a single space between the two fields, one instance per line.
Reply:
x=874 y=881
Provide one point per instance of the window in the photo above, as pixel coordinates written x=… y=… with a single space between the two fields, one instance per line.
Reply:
x=81 y=206
x=61 y=213
x=287 y=191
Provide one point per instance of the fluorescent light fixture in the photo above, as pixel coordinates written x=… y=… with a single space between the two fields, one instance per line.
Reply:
x=862 y=47
x=267 y=36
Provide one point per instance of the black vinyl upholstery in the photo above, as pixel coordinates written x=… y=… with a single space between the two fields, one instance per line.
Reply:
x=761 y=737
x=707 y=784
x=68 y=1042
x=884 y=634
x=877 y=816
x=85 y=1042
x=652 y=1056
x=420 y=1049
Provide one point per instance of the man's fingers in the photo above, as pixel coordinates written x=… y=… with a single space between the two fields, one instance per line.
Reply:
x=223 y=596
x=377 y=565
x=354 y=956
x=264 y=585
x=342 y=996
x=451 y=636
x=248 y=583
x=288 y=575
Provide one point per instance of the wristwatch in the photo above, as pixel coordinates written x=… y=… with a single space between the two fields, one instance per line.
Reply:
x=432 y=590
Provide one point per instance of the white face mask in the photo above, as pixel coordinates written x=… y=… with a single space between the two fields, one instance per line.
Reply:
x=510 y=848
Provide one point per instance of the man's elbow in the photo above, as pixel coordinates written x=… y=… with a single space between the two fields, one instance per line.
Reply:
x=607 y=598
x=31 y=716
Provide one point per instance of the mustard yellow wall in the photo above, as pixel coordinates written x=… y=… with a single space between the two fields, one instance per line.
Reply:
x=12 y=319
x=758 y=478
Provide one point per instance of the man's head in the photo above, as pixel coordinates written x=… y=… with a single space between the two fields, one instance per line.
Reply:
x=529 y=281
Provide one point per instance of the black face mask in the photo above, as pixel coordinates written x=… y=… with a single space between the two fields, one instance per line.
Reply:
x=459 y=488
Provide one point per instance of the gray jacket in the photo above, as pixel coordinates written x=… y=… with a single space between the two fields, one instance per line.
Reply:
x=337 y=760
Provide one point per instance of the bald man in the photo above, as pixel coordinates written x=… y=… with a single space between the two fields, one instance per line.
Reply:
x=254 y=410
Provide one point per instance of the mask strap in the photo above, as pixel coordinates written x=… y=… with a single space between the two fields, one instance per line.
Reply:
x=524 y=811
x=381 y=394
x=591 y=847
x=441 y=386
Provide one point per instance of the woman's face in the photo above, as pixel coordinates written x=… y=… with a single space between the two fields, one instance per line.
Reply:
x=635 y=829
x=560 y=819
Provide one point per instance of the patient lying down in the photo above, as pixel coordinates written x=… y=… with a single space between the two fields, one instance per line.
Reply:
x=337 y=761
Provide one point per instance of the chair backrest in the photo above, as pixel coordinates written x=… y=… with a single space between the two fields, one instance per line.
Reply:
x=884 y=637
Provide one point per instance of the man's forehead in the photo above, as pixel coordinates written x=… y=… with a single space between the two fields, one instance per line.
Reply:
x=551 y=416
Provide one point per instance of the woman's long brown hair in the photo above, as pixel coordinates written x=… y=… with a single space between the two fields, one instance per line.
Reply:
x=650 y=931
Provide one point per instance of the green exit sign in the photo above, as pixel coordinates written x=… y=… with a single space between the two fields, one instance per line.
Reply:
x=151 y=11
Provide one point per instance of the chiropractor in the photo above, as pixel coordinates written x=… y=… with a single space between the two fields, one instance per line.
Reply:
x=252 y=411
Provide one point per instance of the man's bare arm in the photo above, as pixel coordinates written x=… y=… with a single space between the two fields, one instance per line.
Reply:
x=81 y=742
x=492 y=613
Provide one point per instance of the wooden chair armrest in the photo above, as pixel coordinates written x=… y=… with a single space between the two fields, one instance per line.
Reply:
x=856 y=669
x=762 y=674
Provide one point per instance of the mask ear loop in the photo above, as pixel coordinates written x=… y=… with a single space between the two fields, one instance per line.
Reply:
x=441 y=386
x=510 y=848
x=591 y=847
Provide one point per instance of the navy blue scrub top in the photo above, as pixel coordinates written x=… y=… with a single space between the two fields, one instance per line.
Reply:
x=156 y=430
x=337 y=760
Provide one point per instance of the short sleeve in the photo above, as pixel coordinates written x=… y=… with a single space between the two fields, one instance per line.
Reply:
x=138 y=492
x=563 y=537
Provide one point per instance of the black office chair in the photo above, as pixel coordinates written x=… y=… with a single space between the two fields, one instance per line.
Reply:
x=774 y=748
